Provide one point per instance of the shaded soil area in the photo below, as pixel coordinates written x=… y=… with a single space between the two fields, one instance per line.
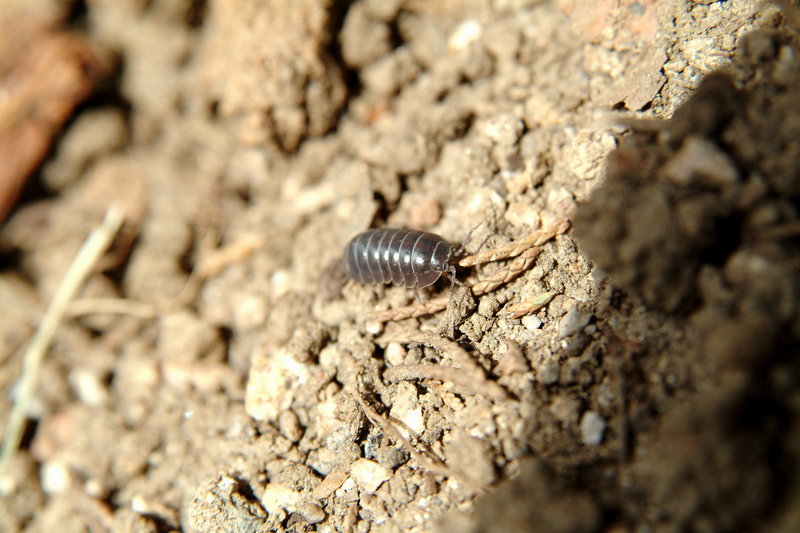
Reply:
x=621 y=352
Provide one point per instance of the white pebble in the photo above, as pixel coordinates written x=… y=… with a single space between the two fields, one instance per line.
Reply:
x=573 y=321
x=369 y=475
x=277 y=497
x=592 y=428
x=532 y=322
x=486 y=200
x=280 y=283
x=395 y=354
x=373 y=327
x=521 y=214
x=55 y=477
x=465 y=34
x=95 y=488
x=88 y=387
x=406 y=408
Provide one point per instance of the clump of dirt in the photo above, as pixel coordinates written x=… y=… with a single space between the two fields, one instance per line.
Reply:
x=668 y=207
x=698 y=218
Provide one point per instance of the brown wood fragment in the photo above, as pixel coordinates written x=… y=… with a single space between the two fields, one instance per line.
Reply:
x=40 y=89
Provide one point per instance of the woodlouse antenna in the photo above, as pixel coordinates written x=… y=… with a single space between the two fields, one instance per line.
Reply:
x=458 y=253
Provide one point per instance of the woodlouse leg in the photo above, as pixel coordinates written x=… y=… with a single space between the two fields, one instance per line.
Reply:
x=451 y=273
x=418 y=293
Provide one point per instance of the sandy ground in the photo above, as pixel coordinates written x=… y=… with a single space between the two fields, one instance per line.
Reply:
x=623 y=355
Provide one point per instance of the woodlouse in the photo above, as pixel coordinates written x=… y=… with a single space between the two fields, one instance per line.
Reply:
x=407 y=257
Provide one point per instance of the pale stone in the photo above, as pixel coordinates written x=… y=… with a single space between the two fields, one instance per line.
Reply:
x=406 y=409
x=592 y=428
x=369 y=475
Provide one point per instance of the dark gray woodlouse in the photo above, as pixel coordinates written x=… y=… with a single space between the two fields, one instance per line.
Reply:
x=400 y=256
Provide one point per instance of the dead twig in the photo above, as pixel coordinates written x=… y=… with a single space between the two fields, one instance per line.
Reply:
x=404 y=335
x=507 y=273
x=47 y=80
x=434 y=464
x=218 y=259
x=472 y=375
x=214 y=260
x=410 y=311
x=516 y=248
x=447 y=374
x=79 y=270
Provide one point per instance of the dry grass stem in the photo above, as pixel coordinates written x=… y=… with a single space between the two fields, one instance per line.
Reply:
x=411 y=311
x=516 y=248
x=507 y=273
x=79 y=270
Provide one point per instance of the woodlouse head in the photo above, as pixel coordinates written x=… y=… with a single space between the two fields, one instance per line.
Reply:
x=442 y=257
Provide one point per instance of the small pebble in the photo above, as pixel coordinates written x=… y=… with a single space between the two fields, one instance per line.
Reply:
x=517 y=183
x=532 y=322
x=522 y=214
x=406 y=408
x=465 y=34
x=55 y=477
x=565 y=409
x=329 y=485
x=348 y=492
x=88 y=387
x=390 y=457
x=572 y=322
x=373 y=327
x=277 y=496
x=395 y=354
x=369 y=475
x=311 y=512
x=95 y=488
x=486 y=200
x=488 y=306
x=561 y=202
x=592 y=428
